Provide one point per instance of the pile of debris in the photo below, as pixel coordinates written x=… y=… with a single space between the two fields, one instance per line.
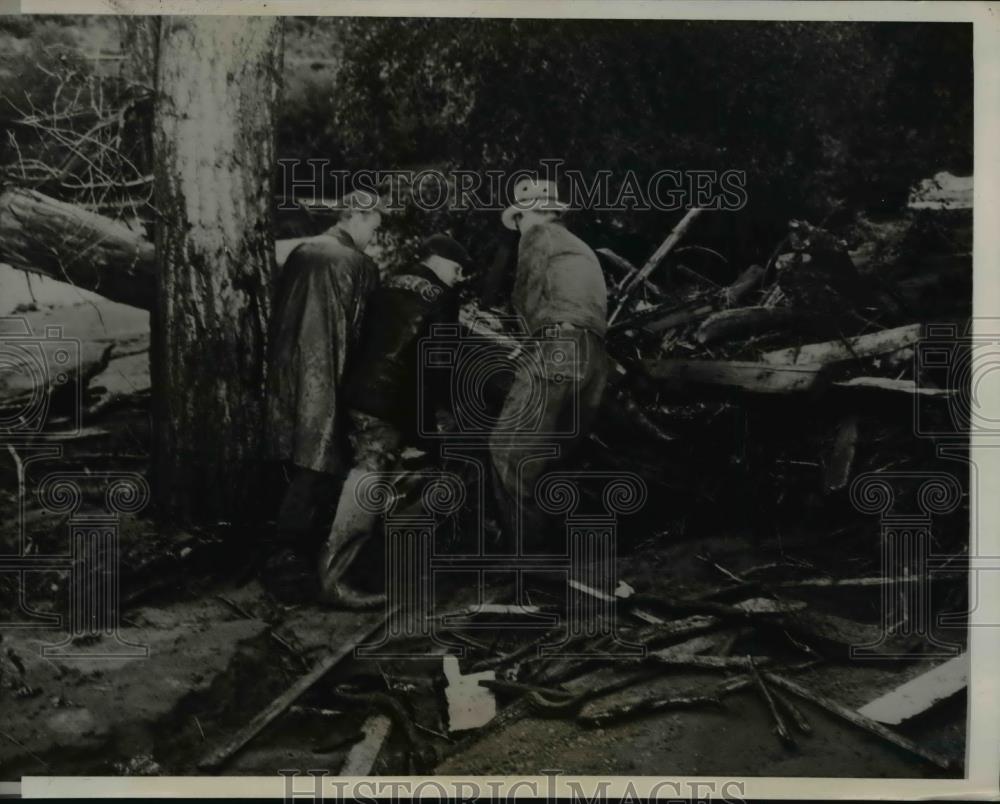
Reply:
x=656 y=655
x=787 y=382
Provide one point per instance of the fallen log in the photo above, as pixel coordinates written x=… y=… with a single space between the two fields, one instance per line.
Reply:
x=668 y=315
x=693 y=661
x=744 y=322
x=686 y=376
x=859 y=720
x=691 y=647
x=646 y=706
x=744 y=285
x=70 y=244
x=680 y=318
x=861 y=346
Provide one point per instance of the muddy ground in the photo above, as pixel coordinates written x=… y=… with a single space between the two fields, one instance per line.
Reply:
x=221 y=651
x=210 y=668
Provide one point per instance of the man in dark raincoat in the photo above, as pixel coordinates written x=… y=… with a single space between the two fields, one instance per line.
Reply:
x=319 y=307
x=381 y=394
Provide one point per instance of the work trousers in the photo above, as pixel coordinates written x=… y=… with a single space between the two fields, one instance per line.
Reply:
x=552 y=403
x=308 y=507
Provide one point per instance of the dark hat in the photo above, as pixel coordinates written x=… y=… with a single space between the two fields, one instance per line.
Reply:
x=446 y=247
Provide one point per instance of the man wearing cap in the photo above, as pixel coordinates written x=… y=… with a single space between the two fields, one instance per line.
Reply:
x=560 y=294
x=382 y=396
x=316 y=322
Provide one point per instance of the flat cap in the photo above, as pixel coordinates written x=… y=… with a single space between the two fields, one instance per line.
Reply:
x=446 y=247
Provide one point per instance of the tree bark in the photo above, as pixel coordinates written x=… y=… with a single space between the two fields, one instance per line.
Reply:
x=218 y=82
x=68 y=243
x=140 y=38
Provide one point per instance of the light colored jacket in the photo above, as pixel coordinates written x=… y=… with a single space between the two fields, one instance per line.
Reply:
x=559 y=280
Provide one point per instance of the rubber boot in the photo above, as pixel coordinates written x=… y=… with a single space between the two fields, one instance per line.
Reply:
x=351 y=529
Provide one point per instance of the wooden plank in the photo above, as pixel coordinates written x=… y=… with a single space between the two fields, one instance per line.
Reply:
x=362 y=756
x=859 y=720
x=862 y=346
x=921 y=693
x=469 y=705
x=597 y=594
x=268 y=714
x=734 y=376
x=877 y=384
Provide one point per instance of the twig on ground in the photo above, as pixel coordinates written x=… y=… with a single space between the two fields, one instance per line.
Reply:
x=779 y=722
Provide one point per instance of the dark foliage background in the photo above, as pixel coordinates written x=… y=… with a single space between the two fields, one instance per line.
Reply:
x=821 y=116
x=825 y=118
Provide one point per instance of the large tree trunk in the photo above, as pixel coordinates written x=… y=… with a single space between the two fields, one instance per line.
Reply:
x=66 y=242
x=214 y=143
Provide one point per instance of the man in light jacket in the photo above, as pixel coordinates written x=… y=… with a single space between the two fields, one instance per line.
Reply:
x=562 y=298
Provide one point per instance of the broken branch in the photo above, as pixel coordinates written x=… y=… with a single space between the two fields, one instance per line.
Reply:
x=859 y=720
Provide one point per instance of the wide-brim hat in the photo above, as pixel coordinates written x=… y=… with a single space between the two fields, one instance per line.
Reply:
x=535 y=195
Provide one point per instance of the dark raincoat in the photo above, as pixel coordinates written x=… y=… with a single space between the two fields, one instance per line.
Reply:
x=322 y=293
x=385 y=381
